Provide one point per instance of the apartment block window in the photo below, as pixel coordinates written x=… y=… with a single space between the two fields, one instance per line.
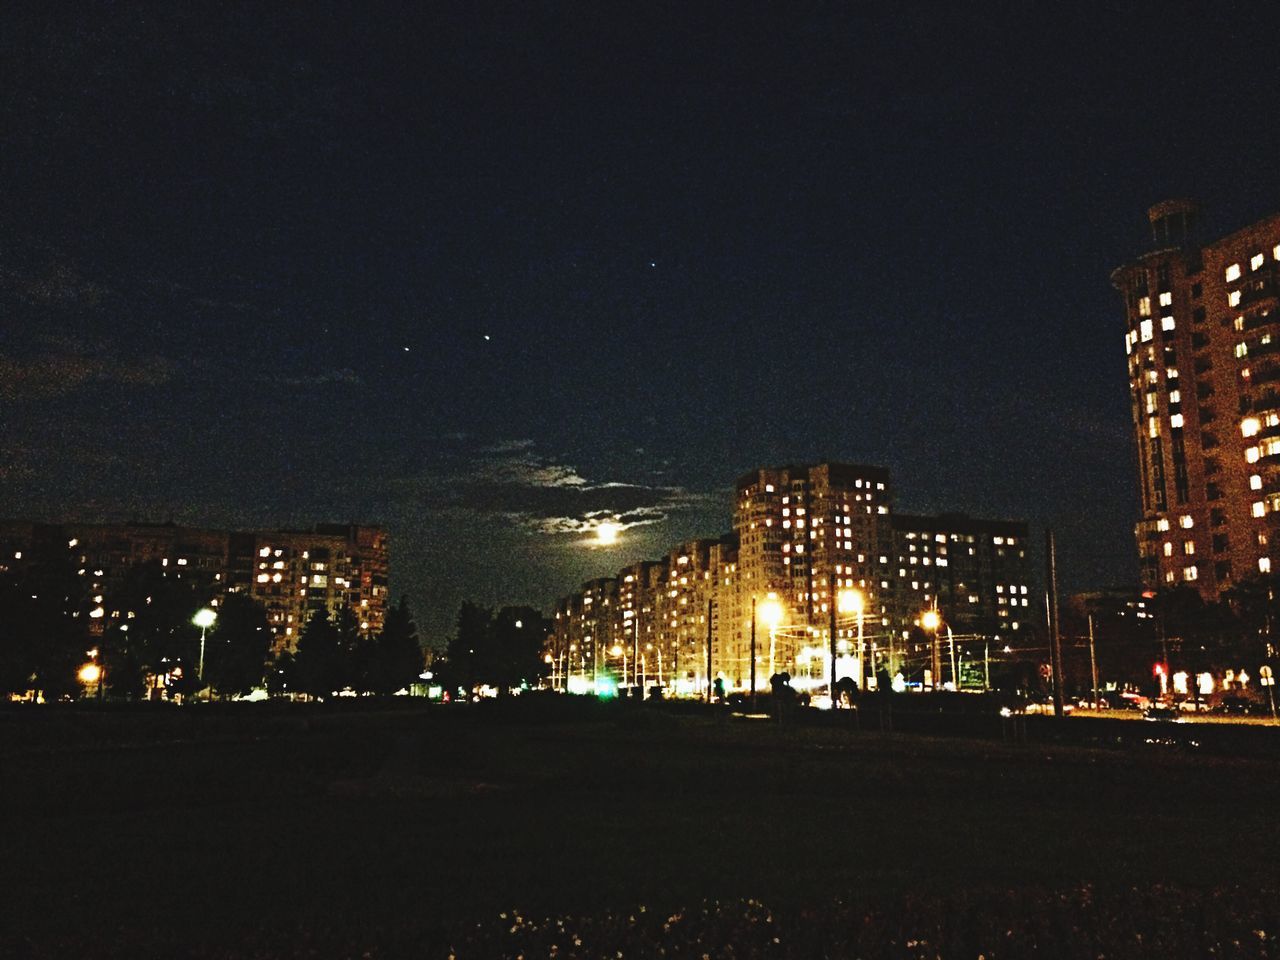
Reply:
x=1256 y=261
x=1189 y=574
x=1189 y=548
x=1233 y=272
x=1166 y=323
x=1166 y=298
x=1186 y=522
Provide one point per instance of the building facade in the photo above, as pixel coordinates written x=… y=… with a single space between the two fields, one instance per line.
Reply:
x=292 y=573
x=1203 y=345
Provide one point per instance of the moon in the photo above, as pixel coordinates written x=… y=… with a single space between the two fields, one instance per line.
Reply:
x=607 y=533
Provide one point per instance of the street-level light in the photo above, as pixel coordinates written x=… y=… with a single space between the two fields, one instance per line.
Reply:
x=849 y=601
x=90 y=673
x=931 y=620
x=204 y=620
x=769 y=612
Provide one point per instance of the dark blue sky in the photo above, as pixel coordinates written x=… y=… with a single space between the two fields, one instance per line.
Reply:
x=486 y=273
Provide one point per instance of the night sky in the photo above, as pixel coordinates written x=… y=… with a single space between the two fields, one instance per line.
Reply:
x=488 y=273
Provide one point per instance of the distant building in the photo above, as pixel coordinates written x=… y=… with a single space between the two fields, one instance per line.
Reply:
x=291 y=572
x=974 y=572
x=1203 y=343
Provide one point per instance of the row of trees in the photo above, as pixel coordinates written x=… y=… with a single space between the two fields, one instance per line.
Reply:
x=46 y=615
x=503 y=649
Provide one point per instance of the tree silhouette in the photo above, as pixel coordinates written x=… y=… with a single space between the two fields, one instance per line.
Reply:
x=44 y=621
x=468 y=647
x=397 y=659
x=237 y=646
x=318 y=666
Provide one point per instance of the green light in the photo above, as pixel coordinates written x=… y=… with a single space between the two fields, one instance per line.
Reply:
x=606 y=688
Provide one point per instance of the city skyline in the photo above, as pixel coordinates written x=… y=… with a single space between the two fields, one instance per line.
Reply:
x=489 y=279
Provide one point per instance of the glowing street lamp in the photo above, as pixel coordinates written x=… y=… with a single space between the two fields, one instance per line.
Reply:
x=618 y=650
x=931 y=620
x=849 y=600
x=90 y=673
x=769 y=612
x=204 y=620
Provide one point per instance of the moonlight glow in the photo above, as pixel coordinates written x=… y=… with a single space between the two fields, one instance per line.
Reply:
x=607 y=533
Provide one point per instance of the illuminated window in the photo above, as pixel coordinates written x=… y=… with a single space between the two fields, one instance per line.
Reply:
x=1168 y=548
x=1153 y=428
x=1170 y=373
x=1275 y=251
x=1251 y=454
x=1175 y=421
x=1166 y=323
x=1147 y=330
x=1162 y=524
x=1175 y=396
x=1255 y=482
x=1233 y=272
x=1242 y=350
x=1166 y=298
x=1256 y=261
x=1233 y=298
x=1250 y=426
x=1264 y=564
x=1144 y=306
x=1238 y=324
x=1259 y=509
x=1189 y=548
x=1186 y=522
x=1190 y=573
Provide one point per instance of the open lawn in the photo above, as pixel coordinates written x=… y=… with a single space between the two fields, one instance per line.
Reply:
x=253 y=824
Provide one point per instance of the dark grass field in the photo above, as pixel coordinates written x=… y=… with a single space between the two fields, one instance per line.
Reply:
x=256 y=830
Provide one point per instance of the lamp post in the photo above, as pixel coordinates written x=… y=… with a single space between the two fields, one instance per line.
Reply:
x=849 y=600
x=931 y=620
x=770 y=611
x=620 y=651
x=204 y=620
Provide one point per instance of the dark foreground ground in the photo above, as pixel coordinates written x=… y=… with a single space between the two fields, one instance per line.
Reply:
x=262 y=832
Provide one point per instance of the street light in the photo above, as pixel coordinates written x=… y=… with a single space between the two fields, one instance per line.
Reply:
x=769 y=613
x=849 y=600
x=931 y=620
x=619 y=651
x=204 y=620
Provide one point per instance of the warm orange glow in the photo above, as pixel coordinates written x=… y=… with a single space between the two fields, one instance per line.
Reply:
x=849 y=601
x=90 y=673
x=769 y=612
x=930 y=620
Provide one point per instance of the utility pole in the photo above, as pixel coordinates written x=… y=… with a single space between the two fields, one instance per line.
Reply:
x=753 y=654
x=831 y=598
x=951 y=640
x=986 y=663
x=1093 y=664
x=711 y=688
x=1055 y=641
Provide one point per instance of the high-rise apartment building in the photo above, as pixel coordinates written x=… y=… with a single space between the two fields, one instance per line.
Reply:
x=1203 y=344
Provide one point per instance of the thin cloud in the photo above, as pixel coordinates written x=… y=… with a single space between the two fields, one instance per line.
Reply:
x=44 y=376
x=510 y=483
